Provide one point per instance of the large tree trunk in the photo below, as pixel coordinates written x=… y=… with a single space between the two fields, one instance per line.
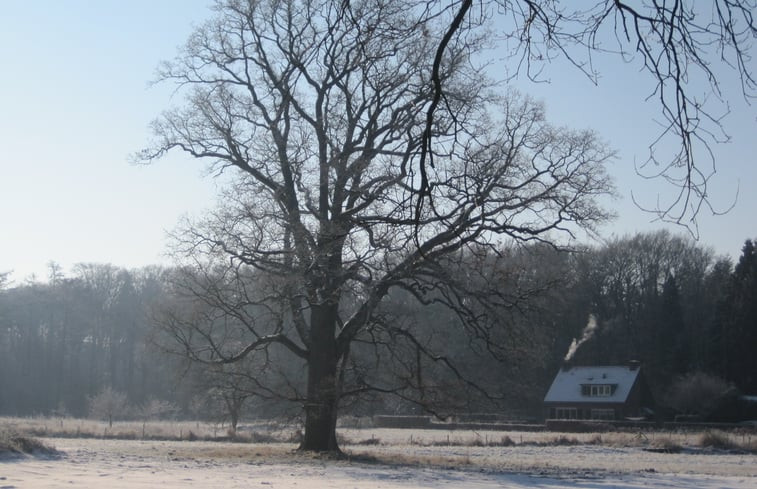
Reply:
x=322 y=399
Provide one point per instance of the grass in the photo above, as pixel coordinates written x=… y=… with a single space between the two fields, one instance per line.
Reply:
x=15 y=444
x=439 y=438
x=720 y=440
x=527 y=452
x=272 y=432
x=716 y=439
x=665 y=444
x=658 y=441
x=267 y=432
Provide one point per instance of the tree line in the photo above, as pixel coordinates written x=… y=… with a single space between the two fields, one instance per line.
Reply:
x=659 y=298
x=65 y=339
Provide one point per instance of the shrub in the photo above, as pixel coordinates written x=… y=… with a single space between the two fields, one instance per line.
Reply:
x=717 y=439
x=506 y=441
x=698 y=393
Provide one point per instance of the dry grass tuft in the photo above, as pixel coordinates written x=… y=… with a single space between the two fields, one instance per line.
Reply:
x=716 y=439
x=665 y=444
x=447 y=461
x=369 y=441
x=14 y=443
x=344 y=440
x=260 y=432
x=725 y=441
x=596 y=440
x=504 y=441
x=564 y=441
x=232 y=451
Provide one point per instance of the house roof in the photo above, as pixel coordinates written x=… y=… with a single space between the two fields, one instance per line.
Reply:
x=567 y=384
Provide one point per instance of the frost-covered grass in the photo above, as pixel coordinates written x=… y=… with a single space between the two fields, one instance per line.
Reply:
x=273 y=432
x=672 y=440
x=160 y=453
x=66 y=427
x=88 y=462
x=14 y=444
x=544 y=460
x=560 y=453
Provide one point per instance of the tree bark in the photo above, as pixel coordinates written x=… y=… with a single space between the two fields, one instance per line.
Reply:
x=321 y=407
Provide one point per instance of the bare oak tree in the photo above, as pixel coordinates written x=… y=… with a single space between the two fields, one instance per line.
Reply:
x=320 y=110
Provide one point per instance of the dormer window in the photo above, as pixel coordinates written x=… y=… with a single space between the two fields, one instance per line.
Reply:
x=598 y=390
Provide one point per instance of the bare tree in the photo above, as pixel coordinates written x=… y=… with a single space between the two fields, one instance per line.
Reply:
x=108 y=404
x=154 y=409
x=231 y=386
x=320 y=109
x=683 y=45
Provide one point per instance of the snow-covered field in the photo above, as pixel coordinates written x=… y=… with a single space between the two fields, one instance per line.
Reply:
x=392 y=464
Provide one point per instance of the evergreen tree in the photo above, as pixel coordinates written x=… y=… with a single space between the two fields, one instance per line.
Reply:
x=739 y=329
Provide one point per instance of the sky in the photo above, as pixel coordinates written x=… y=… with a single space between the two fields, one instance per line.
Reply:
x=75 y=102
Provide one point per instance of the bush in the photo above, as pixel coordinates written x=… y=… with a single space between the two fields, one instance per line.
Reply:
x=717 y=439
x=506 y=441
x=698 y=393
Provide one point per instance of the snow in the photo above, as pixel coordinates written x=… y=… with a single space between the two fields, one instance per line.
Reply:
x=567 y=384
x=38 y=475
x=143 y=464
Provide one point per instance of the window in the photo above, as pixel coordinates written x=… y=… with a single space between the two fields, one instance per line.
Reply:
x=566 y=413
x=598 y=390
x=606 y=414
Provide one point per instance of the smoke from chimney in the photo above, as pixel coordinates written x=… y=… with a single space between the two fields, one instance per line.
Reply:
x=588 y=332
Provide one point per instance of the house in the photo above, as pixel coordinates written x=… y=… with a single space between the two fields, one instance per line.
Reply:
x=598 y=393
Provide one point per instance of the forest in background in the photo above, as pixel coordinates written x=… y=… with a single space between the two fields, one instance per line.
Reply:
x=662 y=299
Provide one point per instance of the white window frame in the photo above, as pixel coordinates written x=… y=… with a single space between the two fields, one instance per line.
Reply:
x=603 y=414
x=598 y=390
x=566 y=413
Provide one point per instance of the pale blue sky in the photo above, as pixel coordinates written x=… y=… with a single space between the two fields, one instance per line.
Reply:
x=74 y=103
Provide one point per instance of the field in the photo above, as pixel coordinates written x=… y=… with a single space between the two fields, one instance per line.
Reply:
x=387 y=458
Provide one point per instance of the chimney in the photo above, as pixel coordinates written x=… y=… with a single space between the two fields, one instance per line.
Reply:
x=634 y=365
x=567 y=365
